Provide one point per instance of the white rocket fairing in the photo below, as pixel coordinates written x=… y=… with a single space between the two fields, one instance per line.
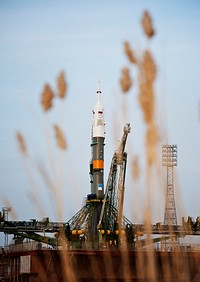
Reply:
x=98 y=127
x=97 y=145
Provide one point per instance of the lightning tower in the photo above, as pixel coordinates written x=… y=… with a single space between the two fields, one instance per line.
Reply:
x=169 y=159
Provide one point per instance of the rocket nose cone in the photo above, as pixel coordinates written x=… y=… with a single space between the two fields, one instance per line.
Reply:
x=98 y=105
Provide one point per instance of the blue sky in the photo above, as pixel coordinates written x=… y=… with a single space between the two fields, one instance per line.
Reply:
x=38 y=39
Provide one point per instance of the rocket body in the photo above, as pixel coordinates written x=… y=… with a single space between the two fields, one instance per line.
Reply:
x=97 y=148
x=97 y=186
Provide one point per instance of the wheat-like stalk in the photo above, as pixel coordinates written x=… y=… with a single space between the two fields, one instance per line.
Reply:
x=146 y=98
x=61 y=141
x=61 y=85
x=129 y=52
x=125 y=80
x=21 y=143
x=147 y=25
x=47 y=97
x=135 y=167
x=149 y=66
x=152 y=138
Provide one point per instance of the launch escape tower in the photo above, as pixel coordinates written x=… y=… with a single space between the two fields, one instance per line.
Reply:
x=169 y=159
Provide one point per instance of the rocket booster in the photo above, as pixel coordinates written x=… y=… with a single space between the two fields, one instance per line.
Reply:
x=97 y=148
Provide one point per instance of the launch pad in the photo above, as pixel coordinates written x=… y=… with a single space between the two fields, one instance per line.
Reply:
x=99 y=243
x=100 y=223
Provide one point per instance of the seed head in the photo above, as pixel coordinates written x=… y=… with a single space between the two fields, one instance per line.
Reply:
x=125 y=80
x=60 y=137
x=149 y=66
x=129 y=52
x=61 y=85
x=47 y=97
x=147 y=24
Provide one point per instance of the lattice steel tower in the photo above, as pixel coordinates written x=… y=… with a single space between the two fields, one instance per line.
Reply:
x=169 y=159
x=5 y=211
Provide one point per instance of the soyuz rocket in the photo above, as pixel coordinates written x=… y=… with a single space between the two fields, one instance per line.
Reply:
x=97 y=149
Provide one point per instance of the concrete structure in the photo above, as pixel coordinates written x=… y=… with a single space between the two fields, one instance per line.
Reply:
x=76 y=266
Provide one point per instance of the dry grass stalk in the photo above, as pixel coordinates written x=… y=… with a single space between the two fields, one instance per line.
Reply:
x=149 y=67
x=21 y=143
x=147 y=75
x=151 y=143
x=135 y=166
x=146 y=101
x=125 y=80
x=47 y=97
x=129 y=52
x=61 y=85
x=147 y=25
x=60 y=137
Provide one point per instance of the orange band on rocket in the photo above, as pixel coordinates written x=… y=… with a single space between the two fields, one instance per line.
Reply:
x=98 y=164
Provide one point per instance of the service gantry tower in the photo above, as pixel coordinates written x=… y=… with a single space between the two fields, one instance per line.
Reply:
x=169 y=159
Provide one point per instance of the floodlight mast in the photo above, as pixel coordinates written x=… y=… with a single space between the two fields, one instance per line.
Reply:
x=169 y=160
x=5 y=211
